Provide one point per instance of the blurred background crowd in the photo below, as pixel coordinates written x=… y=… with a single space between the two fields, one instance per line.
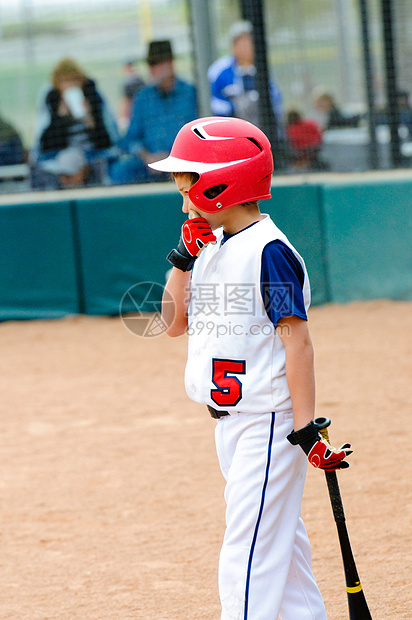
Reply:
x=92 y=92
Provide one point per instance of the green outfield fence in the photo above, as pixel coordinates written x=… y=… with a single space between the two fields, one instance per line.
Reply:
x=81 y=253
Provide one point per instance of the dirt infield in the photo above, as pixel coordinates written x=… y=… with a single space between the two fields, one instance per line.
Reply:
x=111 y=496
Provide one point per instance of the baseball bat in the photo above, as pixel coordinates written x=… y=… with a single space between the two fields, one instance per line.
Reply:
x=358 y=607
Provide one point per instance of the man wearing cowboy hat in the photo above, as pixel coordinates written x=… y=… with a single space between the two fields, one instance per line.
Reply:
x=159 y=110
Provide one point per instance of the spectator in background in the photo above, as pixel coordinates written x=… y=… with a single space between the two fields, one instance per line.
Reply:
x=159 y=110
x=305 y=140
x=334 y=117
x=131 y=84
x=233 y=80
x=74 y=131
x=404 y=112
x=11 y=146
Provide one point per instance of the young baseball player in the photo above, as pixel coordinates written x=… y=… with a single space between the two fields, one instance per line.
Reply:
x=241 y=292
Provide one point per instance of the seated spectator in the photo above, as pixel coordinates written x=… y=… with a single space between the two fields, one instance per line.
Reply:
x=11 y=146
x=159 y=110
x=305 y=140
x=404 y=112
x=334 y=118
x=72 y=115
x=233 y=80
x=131 y=84
x=68 y=169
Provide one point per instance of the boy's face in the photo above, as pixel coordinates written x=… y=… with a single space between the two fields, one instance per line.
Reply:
x=184 y=183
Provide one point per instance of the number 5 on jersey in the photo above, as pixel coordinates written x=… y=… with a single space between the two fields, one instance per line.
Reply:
x=228 y=390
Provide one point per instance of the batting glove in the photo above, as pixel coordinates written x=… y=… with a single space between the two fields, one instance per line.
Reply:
x=196 y=234
x=319 y=452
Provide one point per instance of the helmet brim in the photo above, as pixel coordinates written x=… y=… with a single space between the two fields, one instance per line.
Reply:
x=175 y=164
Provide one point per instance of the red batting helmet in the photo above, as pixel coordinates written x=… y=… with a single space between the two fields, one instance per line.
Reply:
x=232 y=157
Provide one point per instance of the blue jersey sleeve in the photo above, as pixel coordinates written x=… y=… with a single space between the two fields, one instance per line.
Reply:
x=281 y=282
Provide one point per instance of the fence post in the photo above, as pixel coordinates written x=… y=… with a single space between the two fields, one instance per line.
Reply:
x=367 y=60
x=391 y=81
x=252 y=10
x=204 y=50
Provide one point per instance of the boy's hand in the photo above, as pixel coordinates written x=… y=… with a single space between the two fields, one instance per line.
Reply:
x=196 y=234
x=324 y=456
x=320 y=453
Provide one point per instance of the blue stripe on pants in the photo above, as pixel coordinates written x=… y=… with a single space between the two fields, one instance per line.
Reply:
x=262 y=502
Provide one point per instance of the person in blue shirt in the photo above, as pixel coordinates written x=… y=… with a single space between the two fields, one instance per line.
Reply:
x=158 y=112
x=232 y=80
x=11 y=146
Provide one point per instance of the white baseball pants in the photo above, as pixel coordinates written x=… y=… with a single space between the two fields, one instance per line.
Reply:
x=265 y=562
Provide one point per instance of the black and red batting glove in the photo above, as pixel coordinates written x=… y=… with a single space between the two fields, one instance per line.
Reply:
x=196 y=234
x=319 y=452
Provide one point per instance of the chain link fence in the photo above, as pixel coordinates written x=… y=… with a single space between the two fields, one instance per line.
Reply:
x=329 y=63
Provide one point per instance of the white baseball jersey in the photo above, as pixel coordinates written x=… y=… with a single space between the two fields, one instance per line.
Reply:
x=236 y=361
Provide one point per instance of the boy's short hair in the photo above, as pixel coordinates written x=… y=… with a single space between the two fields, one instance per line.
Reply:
x=194 y=176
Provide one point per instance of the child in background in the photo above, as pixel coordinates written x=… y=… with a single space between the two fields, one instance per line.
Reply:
x=305 y=141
